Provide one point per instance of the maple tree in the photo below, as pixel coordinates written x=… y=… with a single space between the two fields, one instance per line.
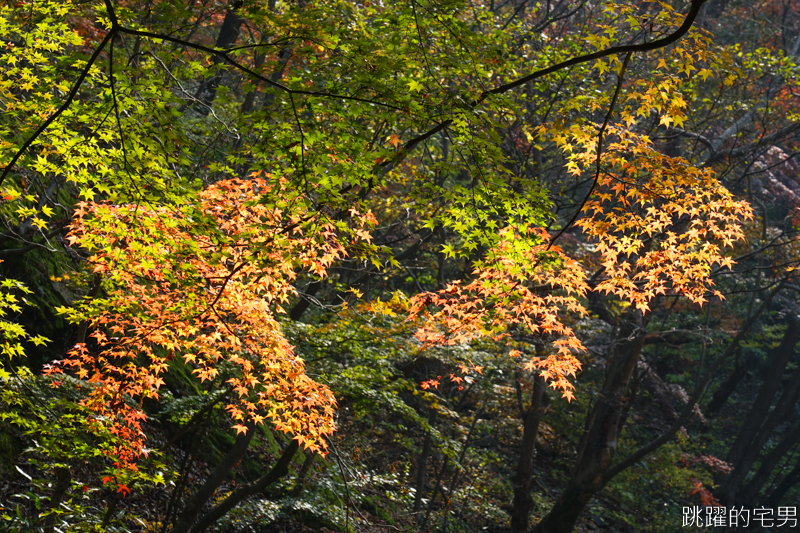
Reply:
x=219 y=168
x=205 y=294
x=500 y=297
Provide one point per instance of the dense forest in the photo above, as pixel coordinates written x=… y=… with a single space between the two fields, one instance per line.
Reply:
x=424 y=265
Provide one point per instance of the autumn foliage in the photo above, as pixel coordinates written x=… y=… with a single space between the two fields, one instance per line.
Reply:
x=526 y=284
x=657 y=225
x=187 y=194
x=202 y=282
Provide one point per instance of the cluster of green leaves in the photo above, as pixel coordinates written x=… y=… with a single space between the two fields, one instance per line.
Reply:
x=405 y=110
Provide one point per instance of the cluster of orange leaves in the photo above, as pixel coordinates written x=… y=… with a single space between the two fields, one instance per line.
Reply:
x=525 y=284
x=202 y=282
x=464 y=369
x=718 y=465
x=707 y=498
x=657 y=225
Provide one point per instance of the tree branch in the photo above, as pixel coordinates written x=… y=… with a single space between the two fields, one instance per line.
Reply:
x=63 y=107
x=280 y=469
x=599 y=150
x=628 y=48
x=653 y=445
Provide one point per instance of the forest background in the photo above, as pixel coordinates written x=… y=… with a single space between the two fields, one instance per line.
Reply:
x=405 y=266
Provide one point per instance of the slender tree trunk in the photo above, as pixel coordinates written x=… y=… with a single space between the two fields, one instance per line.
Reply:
x=592 y=467
x=523 y=475
x=750 y=492
x=732 y=487
x=725 y=390
x=742 y=446
x=63 y=480
x=250 y=98
x=300 y=307
x=280 y=469
x=791 y=479
x=301 y=476
x=228 y=33
x=423 y=467
x=424 y=525
x=199 y=499
x=600 y=438
x=458 y=471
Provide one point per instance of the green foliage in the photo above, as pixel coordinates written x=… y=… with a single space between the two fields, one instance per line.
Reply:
x=417 y=146
x=12 y=335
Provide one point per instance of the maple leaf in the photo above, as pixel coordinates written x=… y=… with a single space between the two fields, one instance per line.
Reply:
x=431 y=383
x=394 y=140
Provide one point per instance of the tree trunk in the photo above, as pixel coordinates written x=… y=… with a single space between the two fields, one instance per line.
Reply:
x=228 y=33
x=731 y=489
x=725 y=390
x=742 y=446
x=600 y=437
x=523 y=475
x=423 y=467
x=280 y=469
x=301 y=476
x=199 y=499
x=63 y=480
x=592 y=467
x=791 y=479
x=305 y=300
x=750 y=492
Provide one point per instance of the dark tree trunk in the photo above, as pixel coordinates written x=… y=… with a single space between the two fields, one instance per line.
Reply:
x=732 y=487
x=743 y=445
x=673 y=147
x=305 y=300
x=791 y=479
x=280 y=469
x=523 y=475
x=301 y=476
x=592 y=467
x=228 y=33
x=601 y=435
x=711 y=13
x=195 y=504
x=63 y=480
x=566 y=510
x=750 y=492
x=725 y=390
x=423 y=468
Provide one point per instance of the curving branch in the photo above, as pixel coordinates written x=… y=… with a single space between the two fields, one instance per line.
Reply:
x=691 y=16
x=597 y=159
x=225 y=55
x=63 y=107
x=116 y=29
x=614 y=50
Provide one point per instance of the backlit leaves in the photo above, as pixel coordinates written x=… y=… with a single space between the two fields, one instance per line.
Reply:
x=525 y=285
x=202 y=281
